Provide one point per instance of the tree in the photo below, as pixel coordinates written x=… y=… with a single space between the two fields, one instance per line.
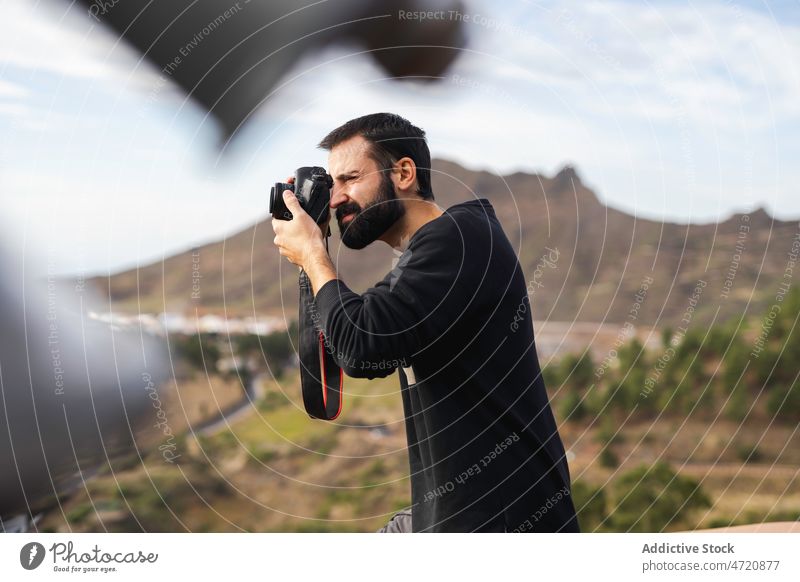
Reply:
x=653 y=498
x=200 y=351
x=571 y=406
x=735 y=390
x=777 y=364
x=590 y=506
x=277 y=347
x=625 y=390
x=608 y=458
x=577 y=374
x=666 y=336
x=784 y=402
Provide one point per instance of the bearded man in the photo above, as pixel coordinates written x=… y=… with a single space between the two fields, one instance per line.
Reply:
x=484 y=450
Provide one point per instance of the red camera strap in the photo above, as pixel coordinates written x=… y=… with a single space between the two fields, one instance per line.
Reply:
x=321 y=378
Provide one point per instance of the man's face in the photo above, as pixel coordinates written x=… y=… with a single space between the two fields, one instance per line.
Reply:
x=363 y=195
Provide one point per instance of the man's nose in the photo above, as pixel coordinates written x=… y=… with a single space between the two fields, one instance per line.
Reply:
x=338 y=197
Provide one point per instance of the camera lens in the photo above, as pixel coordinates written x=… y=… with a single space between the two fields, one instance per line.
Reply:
x=277 y=207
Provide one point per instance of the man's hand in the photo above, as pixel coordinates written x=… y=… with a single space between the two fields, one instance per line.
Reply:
x=300 y=238
x=301 y=241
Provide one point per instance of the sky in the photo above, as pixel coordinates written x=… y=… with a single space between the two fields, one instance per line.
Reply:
x=672 y=110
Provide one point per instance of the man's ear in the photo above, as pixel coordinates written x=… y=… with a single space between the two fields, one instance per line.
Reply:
x=404 y=175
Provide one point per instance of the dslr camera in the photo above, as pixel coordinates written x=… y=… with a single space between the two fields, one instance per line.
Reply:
x=312 y=188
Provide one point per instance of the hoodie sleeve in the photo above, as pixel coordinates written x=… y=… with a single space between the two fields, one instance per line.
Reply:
x=435 y=282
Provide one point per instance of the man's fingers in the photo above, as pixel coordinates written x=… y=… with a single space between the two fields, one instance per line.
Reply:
x=291 y=201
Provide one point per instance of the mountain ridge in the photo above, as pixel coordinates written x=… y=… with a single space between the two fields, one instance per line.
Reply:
x=607 y=252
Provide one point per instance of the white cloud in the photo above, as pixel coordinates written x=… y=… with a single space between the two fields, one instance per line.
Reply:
x=11 y=90
x=712 y=58
x=14 y=109
x=54 y=38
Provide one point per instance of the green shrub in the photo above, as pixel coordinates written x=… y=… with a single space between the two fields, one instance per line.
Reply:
x=590 y=505
x=749 y=453
x=608 y=458
x=654 y=498
x=80 y=513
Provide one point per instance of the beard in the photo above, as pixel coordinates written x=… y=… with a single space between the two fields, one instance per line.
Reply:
x=371 y=222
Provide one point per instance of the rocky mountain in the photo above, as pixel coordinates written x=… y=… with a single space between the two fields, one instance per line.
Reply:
x=585 y=261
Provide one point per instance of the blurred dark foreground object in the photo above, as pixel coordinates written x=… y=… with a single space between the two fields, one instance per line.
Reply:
x=230 y=55
x=75 y=393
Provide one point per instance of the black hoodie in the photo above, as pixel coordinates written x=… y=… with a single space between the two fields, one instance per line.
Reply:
x=454 y=316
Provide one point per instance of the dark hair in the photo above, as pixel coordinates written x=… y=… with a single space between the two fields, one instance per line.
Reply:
x=391 y=137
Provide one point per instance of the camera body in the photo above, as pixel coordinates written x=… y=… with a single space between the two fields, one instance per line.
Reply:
x=312 y=188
